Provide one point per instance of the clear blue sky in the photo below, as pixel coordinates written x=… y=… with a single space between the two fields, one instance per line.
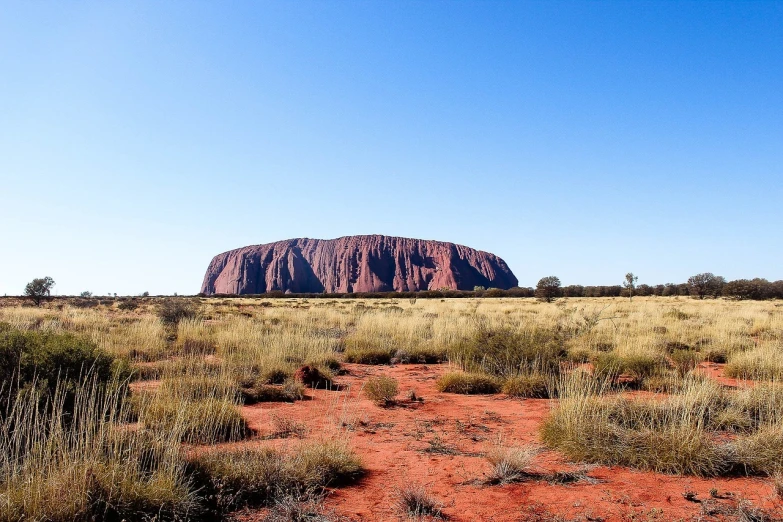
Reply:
x=579 y=139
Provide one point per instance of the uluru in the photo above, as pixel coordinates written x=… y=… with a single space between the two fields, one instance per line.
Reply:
x=370 y=263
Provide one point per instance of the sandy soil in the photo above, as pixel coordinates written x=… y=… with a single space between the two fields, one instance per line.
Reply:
x=439 y=443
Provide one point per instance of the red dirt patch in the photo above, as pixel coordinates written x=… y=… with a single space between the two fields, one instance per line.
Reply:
x=440 y=443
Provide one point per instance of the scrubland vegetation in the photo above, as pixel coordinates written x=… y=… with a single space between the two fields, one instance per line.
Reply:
x=128 y=411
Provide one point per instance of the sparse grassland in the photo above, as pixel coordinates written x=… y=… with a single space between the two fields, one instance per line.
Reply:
x=123 y=401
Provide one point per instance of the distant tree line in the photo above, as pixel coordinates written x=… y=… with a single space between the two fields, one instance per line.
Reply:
x=700 y=286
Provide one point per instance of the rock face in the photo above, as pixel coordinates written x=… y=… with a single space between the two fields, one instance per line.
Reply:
x=354 y=264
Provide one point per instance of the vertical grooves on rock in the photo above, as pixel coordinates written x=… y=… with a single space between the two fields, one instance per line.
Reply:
x=354 y=264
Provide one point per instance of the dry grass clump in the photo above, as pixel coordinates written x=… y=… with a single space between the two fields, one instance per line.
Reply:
x=300 y=508
x=533 y=386
x=257 y=476
x=504 y=351
x=511 y=464
x=85 y=465
x=674 y=434
x=203 y=421
x=381 y=389
x=368 y=353
x=414 y=501
x=634 y=366
x=290 y=391
x=762 y=363
x=467 y=383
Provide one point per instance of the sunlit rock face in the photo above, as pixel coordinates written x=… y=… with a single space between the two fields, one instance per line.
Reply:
x=354 y=264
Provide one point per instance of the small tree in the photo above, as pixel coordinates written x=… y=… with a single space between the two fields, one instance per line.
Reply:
x=39 y=288
x=706 y=284
x=630 y=284
x=86 y=293
x=548 y=289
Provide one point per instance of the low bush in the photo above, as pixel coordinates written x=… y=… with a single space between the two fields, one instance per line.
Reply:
x=312 y=377
x=414 y=501
x=762 y=364
x=510 y=464
x=685 y=361
x=173 y=310
x=369 y=355
x=679 y=434
x=635 y=366
x=83 y=467
x=419 y=355
x=505 y=352
x=290 y=391
x=47 y=360
x=381 y=390
x=532 y=385
x=258 y=476
x=468 y=383
x=202 y=421
x=197 y=387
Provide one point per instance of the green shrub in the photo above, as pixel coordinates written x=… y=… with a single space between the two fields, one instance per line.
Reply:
x=381 y=389
x=467 y=383
x=46 y=360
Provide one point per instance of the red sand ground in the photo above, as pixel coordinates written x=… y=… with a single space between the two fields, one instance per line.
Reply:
x=439 y=444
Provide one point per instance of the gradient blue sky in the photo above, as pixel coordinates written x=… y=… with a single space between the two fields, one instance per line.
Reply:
x=580 y=139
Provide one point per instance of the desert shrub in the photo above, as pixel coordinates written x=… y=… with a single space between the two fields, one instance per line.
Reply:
x=716 y=354
x=420 y=355
x=762 y=363
x=641 y=365
x=673 y=435
x=191 y=347
x=83 y=466
x=193 y=387
x=46 y=360
x=685 y=360
x=510 y=464
x=505 y=352
x=275 y=375
x=128 y=304
x=203 y=421
x=676 y=313
x=171 y=311
x=361 y=354
x=607 y=366
x=636 y=366
x=258 y=476
x=300 y=507
x=313 y=377
x=381 y=389
x=580 y=355
x=414 y=501
x=671 y=448
x=532 y=385
x=290 y=391
x=467 y=383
